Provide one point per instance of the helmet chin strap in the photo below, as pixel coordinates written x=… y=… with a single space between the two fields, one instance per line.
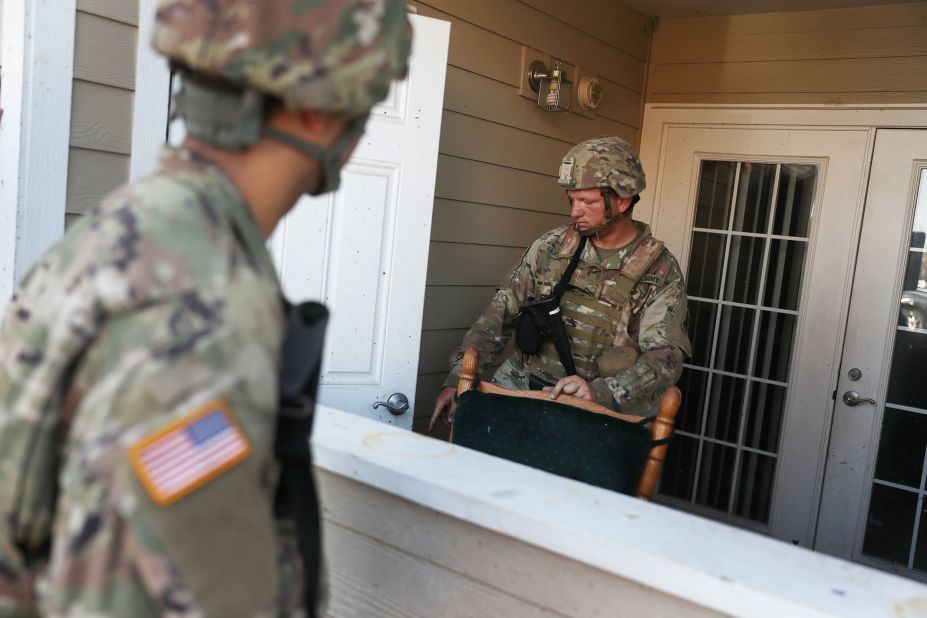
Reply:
x=331 y=159
x=610 y=218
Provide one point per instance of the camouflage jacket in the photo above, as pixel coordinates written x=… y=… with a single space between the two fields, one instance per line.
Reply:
x=159 y=302
x=628 y=351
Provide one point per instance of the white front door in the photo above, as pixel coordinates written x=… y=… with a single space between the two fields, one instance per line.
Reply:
x=872 y=507
x=764 y=222
x=363 y=251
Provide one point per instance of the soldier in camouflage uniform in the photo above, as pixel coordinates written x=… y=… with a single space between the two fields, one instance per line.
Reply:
x=625 y=314
x=139 y=359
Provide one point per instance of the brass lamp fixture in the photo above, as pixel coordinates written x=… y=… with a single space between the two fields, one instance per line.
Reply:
x=554 y=87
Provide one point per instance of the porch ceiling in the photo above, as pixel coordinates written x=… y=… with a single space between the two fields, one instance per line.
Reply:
x=689 y=8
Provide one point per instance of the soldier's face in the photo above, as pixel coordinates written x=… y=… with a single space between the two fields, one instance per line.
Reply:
x=587 y=208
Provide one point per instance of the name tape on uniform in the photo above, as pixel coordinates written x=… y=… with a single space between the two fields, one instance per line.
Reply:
x=176 y=459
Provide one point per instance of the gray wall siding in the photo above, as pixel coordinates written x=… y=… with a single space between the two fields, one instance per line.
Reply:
x=101 y=108
x=499 y=154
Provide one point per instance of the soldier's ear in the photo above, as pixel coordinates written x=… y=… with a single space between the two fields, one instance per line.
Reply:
x=321 y=127
x=620 y=205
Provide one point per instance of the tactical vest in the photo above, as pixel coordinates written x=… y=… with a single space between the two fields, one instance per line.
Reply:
x=592 y=315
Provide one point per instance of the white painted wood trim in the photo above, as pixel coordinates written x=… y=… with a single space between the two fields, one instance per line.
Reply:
x=658 y=116
x=710 y=564
x=152 y=95
x=38 y=70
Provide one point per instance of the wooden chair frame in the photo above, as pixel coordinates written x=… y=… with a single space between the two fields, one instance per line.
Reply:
x=662 y=426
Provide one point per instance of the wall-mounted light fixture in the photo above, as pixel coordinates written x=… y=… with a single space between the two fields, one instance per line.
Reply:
x=589 y=93
x=554 y=87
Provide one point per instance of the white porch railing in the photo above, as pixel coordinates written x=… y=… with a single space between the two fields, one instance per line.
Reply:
x=419 y=527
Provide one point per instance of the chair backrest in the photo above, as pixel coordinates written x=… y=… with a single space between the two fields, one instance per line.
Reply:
x=624 y=459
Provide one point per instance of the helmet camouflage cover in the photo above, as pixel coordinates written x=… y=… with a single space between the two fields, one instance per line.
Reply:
x=335 y=56
x=600 y=163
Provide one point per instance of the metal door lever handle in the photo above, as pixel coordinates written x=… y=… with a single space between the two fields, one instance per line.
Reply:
x=851 y=398
x=396 y=404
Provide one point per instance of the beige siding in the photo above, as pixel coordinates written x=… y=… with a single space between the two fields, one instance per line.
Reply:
x=101 y=108
x=496 y=187
x=861 y=55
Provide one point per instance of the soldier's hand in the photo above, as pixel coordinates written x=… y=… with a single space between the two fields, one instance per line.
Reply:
x=445 y=406
x=571 y=385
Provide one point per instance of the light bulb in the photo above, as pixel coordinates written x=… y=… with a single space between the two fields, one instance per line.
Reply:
x=552 y=98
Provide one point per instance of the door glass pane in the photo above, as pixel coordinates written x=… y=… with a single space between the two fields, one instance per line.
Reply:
x=795 y=200
x=743 y=269
x=678 y=478
x=727 y=396
x=716 y=186
x=701 y=330
x=782 y=286
x=754 y=191
x=715 y=476
x=895 y=526
x=890 y=524
x=693 y=384
x=735 y=336
x=774 y=346
x=754 y=486
x=705 y=261
x=767 y=404
x=744 y=284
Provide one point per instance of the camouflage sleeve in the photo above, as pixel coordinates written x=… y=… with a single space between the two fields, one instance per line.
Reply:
x=493 y=329
x=149 y=523
x=664 y=346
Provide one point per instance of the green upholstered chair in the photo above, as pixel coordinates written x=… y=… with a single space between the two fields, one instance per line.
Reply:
x=569 y=437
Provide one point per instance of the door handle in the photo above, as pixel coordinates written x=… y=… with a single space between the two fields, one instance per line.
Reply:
x=851 y=398
x=397 y=404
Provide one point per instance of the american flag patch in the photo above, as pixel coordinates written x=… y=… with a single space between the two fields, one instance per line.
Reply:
x=178 y=458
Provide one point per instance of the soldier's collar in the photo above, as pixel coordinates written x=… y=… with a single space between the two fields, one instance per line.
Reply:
x=230 y=201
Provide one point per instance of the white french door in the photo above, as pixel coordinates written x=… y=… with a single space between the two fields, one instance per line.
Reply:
x=872 y=506
x=764 y=222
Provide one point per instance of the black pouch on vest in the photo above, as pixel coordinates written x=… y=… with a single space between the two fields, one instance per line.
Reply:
x=528 y=335
x=539 y=318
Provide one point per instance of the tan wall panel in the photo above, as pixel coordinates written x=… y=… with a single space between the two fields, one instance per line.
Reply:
x=890 y=16
x=464 y=222
x=818 y=98
x=630 y=32
x=91 y=176
x=101 y=117
x=477 y=49
x=843 y=56
x=448 y=306
x=474 y=138
x=873 y=43
x=540 y=31
x=471 y=94
x=851 y=75
x=104 y=51
x=436 y=349
x=619 y=104
x=125 y=11
x=482 y=183
x=482 y=265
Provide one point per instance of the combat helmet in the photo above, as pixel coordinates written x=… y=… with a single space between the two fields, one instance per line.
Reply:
x=604 y=163
x=334 y=56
